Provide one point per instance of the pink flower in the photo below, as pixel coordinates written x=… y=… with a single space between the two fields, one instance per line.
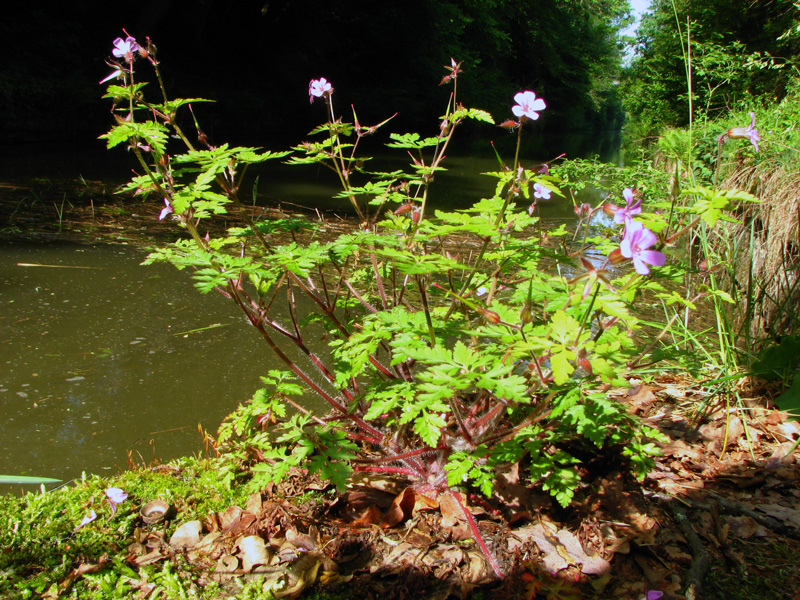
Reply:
x=540 y=191
x=318 y=88
x=527 y=105
x=115 y=496
x=125 y=48
x=635 y=244
x=750 y=132
x=624 y=214
x=166 y=210
x=87 y=519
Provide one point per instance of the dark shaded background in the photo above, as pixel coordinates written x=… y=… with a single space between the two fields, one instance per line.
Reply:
x=256 y=57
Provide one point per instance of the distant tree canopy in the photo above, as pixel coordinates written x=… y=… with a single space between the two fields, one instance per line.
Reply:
x=743 y=52
x=255 y=58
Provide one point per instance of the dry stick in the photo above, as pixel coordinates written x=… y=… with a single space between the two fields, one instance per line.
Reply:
x=733 y=507
x=701 y=558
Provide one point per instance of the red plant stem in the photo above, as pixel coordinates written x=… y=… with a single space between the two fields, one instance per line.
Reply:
x=477 y=535
x=360 y=298
x=258 y=323
x=460 y=421
x=351 y=435
x=379 y=280
x=398 y=456
x=400 y=470
x=311 y=292
x=491 y=414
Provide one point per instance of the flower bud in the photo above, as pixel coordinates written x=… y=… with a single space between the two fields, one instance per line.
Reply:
x=616 y=256
x=525 y=314
x=610 y=209
x=491 y=316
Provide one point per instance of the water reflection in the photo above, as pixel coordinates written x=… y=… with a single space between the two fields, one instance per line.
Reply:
x=99 y=358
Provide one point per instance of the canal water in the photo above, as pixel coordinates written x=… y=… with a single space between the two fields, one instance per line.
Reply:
x=102 y=357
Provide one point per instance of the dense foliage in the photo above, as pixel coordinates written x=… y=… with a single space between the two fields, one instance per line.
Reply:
x=459 y=344
x=255 y=56
x=742 y=54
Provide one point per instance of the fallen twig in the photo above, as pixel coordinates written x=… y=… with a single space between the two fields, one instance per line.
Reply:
x=701 y=558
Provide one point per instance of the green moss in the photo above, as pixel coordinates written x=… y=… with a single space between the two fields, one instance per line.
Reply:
x=40 y=546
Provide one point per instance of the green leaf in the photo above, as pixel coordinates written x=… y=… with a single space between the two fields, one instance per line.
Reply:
x=564 y=327
x=562 y=368
x=23 y=479
x=562 y=483
x=710 y=203
x=472 y=113
x=789 y=400
x=411 y=141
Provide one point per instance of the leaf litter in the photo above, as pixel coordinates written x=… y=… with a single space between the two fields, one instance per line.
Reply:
x=721 y=507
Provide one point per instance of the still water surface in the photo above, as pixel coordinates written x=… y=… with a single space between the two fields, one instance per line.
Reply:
x=99 y=358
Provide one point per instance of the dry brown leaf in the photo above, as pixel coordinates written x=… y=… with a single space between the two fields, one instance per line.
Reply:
x=676 y=554
x=371 y=516
x=788 y=431
x=639 y=398
x=254 y=504
x=235 y=521
x=510 y=488
x=303 y=541
x=680 y=449
x=227 y=564
x=210 y=547
x=560 y=550
x=452 y=514
x=187 y=535
x=253 y=551
x=406 y=505
x=376 y=481
x=229 y=517
x=148 y=559
x=745 y=527
x=477 y=570
x=402 y=554
x=628 y=508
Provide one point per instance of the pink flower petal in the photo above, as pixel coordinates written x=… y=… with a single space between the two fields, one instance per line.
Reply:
x=87 y=519
x=653 y=257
